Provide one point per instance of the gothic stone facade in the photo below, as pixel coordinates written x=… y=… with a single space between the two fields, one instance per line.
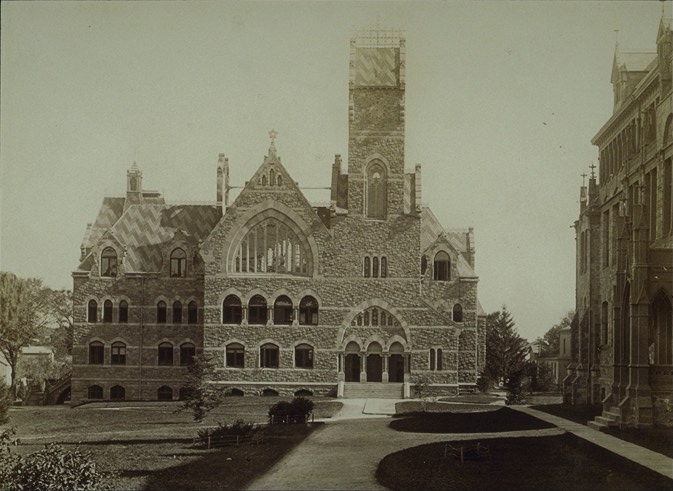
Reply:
x=621 y=342
x=287 y=297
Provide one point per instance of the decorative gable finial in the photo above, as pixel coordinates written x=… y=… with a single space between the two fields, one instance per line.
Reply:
x=272 y=148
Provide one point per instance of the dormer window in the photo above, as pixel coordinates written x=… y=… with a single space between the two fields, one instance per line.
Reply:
x=108 y=262
x=178 y=263
x=441 y=266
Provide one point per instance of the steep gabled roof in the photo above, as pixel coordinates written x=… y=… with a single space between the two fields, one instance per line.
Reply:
x=431 y=229
x=110 y=211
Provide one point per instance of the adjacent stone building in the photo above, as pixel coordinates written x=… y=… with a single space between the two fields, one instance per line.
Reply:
x=621 y=338
x=353 y=298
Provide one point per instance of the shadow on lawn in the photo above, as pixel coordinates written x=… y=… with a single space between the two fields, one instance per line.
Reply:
x=503 y=419
x=556 y=462
x=232 y=467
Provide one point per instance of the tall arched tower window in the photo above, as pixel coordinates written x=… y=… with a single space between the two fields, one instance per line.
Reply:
x=376 y=194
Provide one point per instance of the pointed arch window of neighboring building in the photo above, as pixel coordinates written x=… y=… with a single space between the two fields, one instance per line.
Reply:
x=308 y=311
x=192 y=313
x=92 y=311
x=235 y=357
x=108 y=262
x=257 y=310
x=96 y=353
x=95 y=392
x=432 y=358
x=165 y=393
x=232 y=311
x=440 y=363
x=117 y=393
x=178 y=263
x=376 y=195
x=187 y=354
x=118 y=353
x=107 y=311
x=458 y=313
x=442 y=266
x=165 y=354
x=272 y=247
x=123 y=312
x=282 y=311
x=375 y=267
x=384 y=267
x=367 y=267
x=161 y=312
x=177 y=312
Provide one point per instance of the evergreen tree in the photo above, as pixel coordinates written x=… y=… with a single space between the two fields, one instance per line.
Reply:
x=550 y=341
x=506 y=351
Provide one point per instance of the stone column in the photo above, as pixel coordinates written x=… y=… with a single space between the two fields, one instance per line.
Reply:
x=295 y=315
x=363 y=366
x=269 y=315
x=341 y=369
x=385 y=377
x=244 y=316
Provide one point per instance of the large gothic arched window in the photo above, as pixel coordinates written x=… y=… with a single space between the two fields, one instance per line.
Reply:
x=376 y=195
x=271 y=247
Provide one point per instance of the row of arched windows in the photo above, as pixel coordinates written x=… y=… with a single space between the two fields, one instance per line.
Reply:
x=375 y=267
x=178 y=263
x=269 y=356
x=165 y=353
x=272 y=180
x=374 y=316
x=436 y=362
x=165 y=393
x=258 y=310
x=177 y=312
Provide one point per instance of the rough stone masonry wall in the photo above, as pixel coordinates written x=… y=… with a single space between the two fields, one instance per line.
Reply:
x=141 y=334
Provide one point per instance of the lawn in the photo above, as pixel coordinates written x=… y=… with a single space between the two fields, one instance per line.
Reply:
x=555 y=462
x=415 y=406
x=579 y=414
x=149 y=445
x=498 y=420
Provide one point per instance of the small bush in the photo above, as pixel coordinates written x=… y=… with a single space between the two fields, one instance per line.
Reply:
x=296 y=411
x=5 y=403
x=484 y=384
x=239 y=428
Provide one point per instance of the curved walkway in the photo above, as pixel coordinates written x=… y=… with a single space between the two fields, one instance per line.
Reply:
x=345 y=453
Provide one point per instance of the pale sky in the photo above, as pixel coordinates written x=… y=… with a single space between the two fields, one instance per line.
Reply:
x=502 y=100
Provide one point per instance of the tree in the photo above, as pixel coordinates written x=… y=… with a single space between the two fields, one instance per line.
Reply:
x=22 y=316
x=550 y=341
x=59 y=310
x=506 y=351
x=201 y=395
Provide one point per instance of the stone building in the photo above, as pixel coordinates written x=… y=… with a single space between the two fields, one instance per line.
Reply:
x=353 y=298
x=621 y=338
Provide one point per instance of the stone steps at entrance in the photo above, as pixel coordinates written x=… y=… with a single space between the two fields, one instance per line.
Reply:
x=373 y=390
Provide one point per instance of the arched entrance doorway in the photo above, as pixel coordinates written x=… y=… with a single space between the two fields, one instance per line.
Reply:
x=374 y=362
x=396 y=363
x=352 y=363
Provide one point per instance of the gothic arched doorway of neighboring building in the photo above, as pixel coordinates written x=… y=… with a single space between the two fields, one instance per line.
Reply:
x=396 y=363
x=374 y=363
x=660 y=343
x=352 y=362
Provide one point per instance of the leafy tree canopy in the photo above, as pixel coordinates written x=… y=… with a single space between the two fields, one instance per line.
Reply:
x=550 y=341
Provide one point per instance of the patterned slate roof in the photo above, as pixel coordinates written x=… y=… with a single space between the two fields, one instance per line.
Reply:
x=376 y=67
x=144 y=228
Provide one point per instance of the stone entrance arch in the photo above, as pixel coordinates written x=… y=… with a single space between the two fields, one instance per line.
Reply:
x=396 y=363
x=352 y=362
x=374 y=362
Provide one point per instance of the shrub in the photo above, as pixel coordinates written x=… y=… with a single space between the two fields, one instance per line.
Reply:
x=52 y=468
x=5 y=403
x=484 y=384
x=239 y=428
x=296 y=411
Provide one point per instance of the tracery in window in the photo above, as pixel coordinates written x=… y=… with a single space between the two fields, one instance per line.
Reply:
x=178 y=263
x=271 y=247
x=108 y=262
x=376 y=195
x=375 y=316
x=268 y=356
